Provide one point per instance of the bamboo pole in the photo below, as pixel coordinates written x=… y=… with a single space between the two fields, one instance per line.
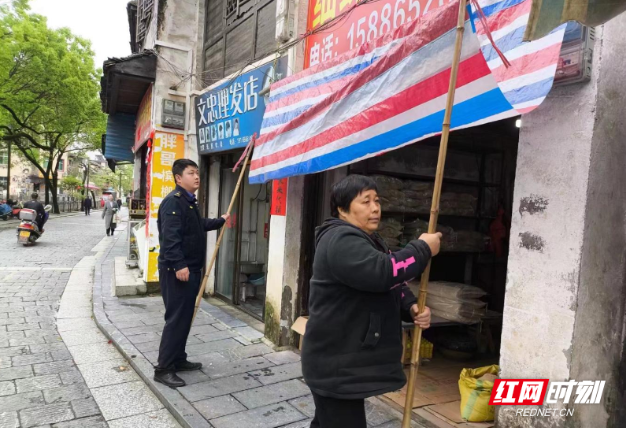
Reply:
x=434 y=211
x=219 y=239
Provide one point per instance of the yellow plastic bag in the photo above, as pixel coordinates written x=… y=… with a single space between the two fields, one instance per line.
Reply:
x=475 y=394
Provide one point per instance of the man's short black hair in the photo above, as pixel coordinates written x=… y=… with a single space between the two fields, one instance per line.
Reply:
x=344 y=192
x=35 y=196
x=181 y=165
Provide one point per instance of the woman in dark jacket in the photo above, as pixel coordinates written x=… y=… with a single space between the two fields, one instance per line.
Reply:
x=358 y=297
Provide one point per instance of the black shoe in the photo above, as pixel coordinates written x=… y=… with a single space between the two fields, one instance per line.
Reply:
x=169 y=378
x=187 y=366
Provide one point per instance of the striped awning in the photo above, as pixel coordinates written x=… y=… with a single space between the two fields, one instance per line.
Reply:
x=391 y=92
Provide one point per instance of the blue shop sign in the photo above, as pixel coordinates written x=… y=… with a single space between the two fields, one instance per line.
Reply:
x=228 y=116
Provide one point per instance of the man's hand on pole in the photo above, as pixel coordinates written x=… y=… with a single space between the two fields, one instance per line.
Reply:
x=226 y=217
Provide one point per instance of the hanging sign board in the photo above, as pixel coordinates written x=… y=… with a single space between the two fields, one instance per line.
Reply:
x=143 y=125
x=228 y=115
x=364 y=23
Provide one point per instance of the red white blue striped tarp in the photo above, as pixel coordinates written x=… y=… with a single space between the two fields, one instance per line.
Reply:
x=391 y=92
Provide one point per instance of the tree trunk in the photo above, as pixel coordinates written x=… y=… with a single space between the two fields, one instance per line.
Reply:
x=55 y=189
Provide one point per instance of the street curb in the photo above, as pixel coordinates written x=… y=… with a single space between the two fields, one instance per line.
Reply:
x=178 y=406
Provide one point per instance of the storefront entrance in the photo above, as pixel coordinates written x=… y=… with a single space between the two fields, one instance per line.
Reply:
x=468 y=278
x=241 y=268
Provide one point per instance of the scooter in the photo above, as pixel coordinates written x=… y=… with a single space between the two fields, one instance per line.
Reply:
x=28 y=231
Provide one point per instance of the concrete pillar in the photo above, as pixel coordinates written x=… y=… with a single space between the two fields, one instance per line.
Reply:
x=284 y=266
x=566 y=294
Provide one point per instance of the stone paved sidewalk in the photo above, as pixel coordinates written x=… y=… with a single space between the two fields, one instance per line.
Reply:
x=243 y=383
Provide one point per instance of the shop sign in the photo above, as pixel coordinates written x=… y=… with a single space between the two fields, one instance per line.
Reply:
x=229 y=115
x=366 y=22
x=166 y=148
x=279 y=197
x=143 y=127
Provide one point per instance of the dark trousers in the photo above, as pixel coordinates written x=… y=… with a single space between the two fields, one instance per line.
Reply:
x=111 y=229
x=87 y=211
x=180 y=301
x=335 y=413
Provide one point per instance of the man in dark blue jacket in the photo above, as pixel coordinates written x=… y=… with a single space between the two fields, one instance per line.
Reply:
x=182 y=236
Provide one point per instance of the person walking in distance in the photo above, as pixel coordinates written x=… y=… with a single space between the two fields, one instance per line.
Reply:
x=110 y=208
x=182 y=235
x=88 y=206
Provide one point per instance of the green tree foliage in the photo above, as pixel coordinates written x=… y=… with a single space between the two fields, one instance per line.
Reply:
x=107 y=178
x=49 y=88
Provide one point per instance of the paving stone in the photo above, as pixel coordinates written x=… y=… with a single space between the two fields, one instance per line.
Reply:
x=83 y=336
x=92 y=422
x=26 y=341
x=13 y=351
x=219 y=406
x=264 y=417
x=16 y=373
x=109 y=372
x=377 y=415
x=304 y=405
x=94 y=353
x=228 y=368
x=283 y=357
x=220 y=345
x=242 y=340
x=215 y=388
x=148 y=346
x=214 y=336
x=244 y=352
x=129 y=324
x=49 y=414
x=7 y=388
x=71 y=376
x=25 y=360
x=144 y=337
x=66 y=393
x=61 y=355
x=16 y=402
x=5 y=335
x=54 y=367
x=160 y=419
x=128 y=399
x=302 y=424
x=141 y=330
x=202 y=329
x=38 y=383
x=193 y=377
x=278 y=374
x=9 y=419
x=85 y=407
x=49 y=347
x=249 y=333
x=219 y=326
x=271 y=394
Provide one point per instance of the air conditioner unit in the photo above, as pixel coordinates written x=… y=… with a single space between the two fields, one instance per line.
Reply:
x=576 y=58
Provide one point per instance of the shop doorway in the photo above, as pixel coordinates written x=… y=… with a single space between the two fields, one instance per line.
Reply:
x=475 y=215
x=241 y=267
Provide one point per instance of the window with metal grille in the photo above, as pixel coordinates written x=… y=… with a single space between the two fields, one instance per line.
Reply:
x=145 y=10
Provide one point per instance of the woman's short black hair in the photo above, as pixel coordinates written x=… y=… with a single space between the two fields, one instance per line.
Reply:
x=344 y=192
